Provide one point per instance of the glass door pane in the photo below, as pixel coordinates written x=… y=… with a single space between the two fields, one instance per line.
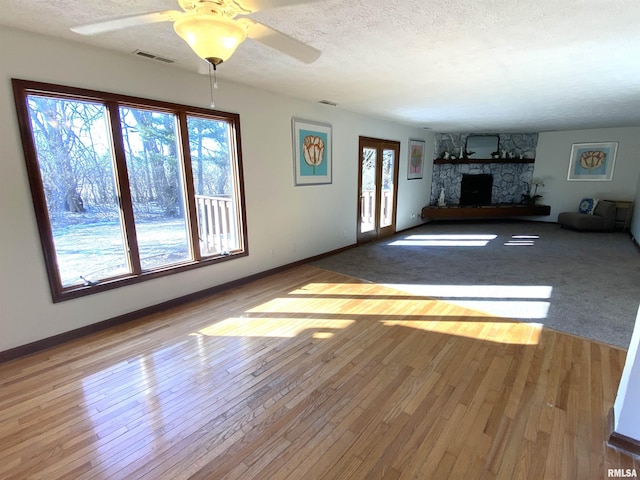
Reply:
x=154 y=165
x=368 y=190
x=386 y=192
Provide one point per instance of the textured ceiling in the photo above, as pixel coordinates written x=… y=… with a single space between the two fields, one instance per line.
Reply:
x=448 y=65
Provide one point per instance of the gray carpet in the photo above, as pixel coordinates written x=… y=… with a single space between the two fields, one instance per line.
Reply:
x=594 y=278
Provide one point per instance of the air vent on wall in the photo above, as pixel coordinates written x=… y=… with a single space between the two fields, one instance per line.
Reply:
x=140 y=53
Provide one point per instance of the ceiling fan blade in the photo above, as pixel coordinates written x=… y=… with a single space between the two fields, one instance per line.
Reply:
x=125 y=22
x=280 y=41
x=258 y=5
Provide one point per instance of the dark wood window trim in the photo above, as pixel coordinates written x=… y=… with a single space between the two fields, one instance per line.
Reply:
x=23 y=88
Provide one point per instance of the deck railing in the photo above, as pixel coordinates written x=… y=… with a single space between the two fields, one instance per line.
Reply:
x=216 y=224
x=368 y=207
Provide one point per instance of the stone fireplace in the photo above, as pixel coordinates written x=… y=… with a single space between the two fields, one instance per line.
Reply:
x=509 y=181
x=510 y=176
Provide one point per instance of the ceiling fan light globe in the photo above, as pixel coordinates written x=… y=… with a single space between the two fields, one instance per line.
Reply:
x=210 y=36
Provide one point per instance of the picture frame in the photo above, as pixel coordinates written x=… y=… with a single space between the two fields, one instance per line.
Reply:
x=592 y=162
x=312 y=152
x=415 y=160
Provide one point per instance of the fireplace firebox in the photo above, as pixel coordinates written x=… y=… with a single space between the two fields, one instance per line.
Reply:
x=475 y=189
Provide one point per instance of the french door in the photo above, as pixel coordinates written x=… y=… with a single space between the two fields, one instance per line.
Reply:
x=377 y=188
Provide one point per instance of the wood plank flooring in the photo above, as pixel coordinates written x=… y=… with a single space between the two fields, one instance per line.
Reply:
x=309 y=374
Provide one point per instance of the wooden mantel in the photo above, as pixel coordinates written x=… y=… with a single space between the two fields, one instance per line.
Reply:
x=455 y=212
x=460 y=161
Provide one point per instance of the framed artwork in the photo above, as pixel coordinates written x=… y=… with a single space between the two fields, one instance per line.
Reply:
x=592 y=161
x=311 y=152
x=416 y=159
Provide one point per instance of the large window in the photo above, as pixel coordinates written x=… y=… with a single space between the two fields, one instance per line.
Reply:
x=125 y=188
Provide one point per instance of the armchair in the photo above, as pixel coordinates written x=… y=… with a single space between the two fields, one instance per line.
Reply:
x=603 y=218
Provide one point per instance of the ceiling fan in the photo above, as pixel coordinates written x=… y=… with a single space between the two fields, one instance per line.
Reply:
x=214 y=28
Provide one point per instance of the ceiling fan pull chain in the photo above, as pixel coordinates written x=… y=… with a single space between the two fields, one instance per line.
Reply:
x=213 y=82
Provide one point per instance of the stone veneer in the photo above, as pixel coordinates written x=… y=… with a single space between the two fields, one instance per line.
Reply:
x=510 y=180
x=514 y=143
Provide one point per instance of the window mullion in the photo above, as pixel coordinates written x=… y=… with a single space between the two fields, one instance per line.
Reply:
x=124 y=191
x=190 y=191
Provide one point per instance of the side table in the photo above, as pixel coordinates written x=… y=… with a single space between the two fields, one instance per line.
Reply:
x=624 y=213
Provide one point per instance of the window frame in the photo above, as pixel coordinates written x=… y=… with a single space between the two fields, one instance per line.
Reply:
x=112 y=102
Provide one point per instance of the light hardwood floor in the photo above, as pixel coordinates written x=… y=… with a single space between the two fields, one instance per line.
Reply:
x=309 y=374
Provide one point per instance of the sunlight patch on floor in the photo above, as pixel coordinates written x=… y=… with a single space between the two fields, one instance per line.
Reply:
x=475 y=291
x=507 y=308
x=385 y=304
x=522 y=240
x=274 y=327
x=447 y=240
x=323 y=335
x=510 y=301
x=514 y=333
x=322 y=310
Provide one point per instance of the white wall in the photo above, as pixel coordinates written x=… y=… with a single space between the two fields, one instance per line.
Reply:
x=317 y=219
x=626 y=411
x=552 y=164
x=635 y=221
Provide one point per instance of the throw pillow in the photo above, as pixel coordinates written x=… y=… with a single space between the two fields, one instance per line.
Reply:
x=588 y=205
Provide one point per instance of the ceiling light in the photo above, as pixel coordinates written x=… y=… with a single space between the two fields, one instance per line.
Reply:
x=212 y=37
